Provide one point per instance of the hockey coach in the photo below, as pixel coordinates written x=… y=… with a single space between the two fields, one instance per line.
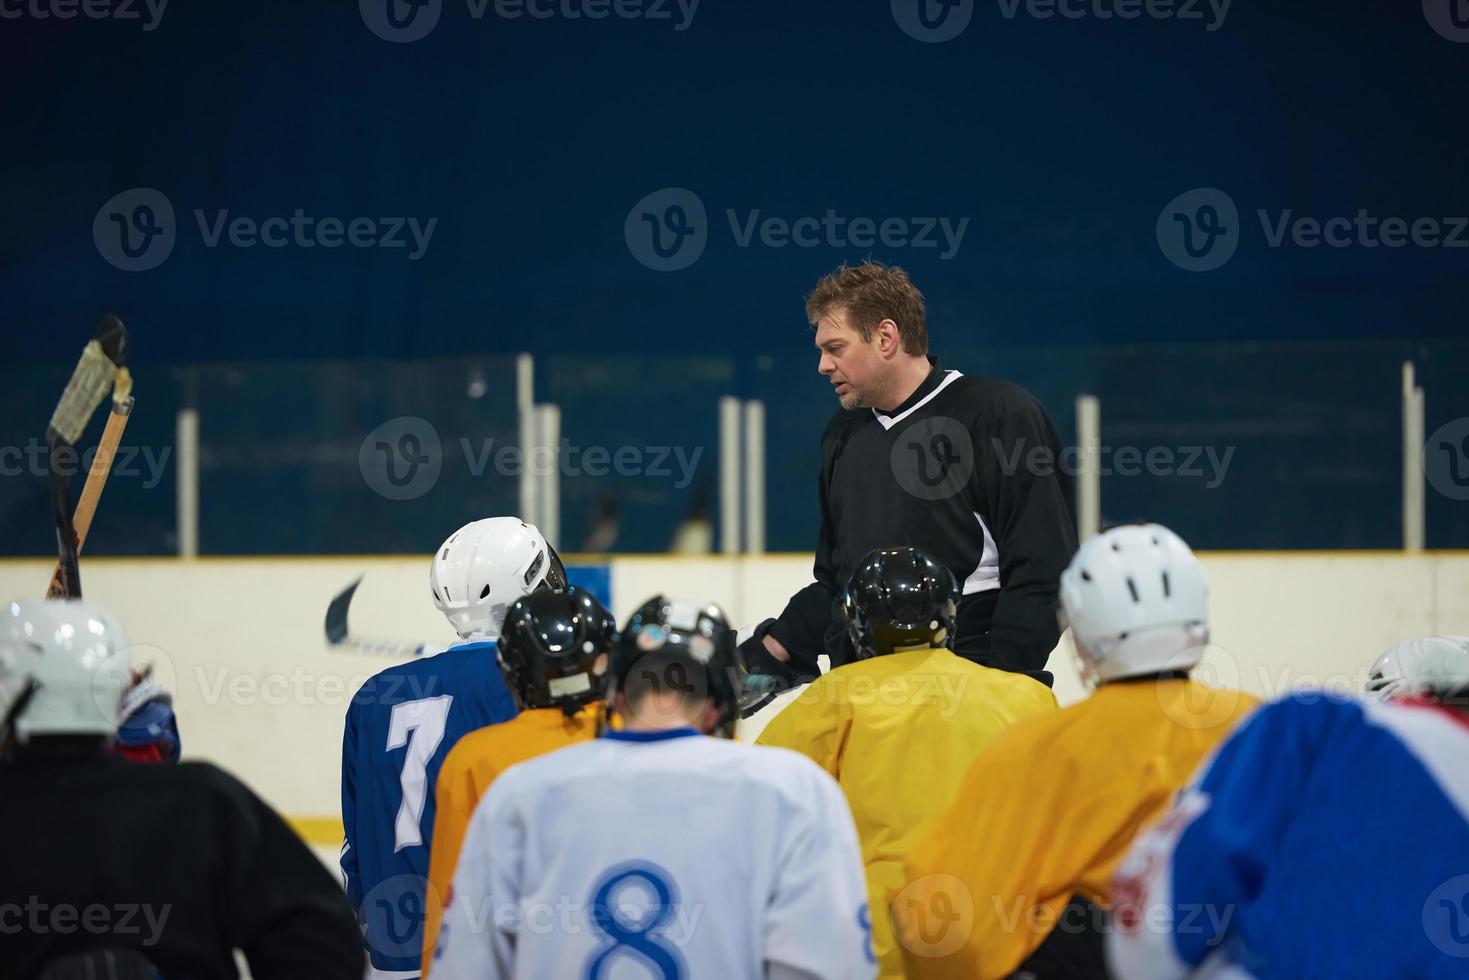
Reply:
x=962 y=467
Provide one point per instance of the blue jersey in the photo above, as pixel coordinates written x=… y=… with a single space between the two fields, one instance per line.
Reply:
x=400 y=726
x=1328 y=838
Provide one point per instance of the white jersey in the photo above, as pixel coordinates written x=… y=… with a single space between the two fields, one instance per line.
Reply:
x=659 y=856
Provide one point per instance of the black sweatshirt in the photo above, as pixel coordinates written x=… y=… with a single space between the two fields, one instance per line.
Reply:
x=181 y=863
x=968 y=470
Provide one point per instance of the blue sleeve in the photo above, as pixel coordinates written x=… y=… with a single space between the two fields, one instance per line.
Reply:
x=1245 y=800
x=351 y=878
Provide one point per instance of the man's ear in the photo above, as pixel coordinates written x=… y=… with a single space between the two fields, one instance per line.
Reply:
x=889 y=343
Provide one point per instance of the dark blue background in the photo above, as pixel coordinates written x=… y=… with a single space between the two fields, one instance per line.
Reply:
x=529 y=141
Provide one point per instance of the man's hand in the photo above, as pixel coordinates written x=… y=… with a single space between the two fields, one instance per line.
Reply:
x=767 y=662
x=777 y=649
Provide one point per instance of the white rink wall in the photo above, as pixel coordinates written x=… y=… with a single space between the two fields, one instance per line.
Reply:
x=257 y=690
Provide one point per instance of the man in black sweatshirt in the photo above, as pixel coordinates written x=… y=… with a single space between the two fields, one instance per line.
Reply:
x=110 y=862
x=963 y=468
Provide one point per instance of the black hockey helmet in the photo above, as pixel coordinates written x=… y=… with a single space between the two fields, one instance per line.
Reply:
x=556 y=649
x=687 y=646
x=899 y=597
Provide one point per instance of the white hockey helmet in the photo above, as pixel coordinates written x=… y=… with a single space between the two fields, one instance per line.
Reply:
x=1137 y=602
x=1428 y=665
x=483 y=567
x=64 y=668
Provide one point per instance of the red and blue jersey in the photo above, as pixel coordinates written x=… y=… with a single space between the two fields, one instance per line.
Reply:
x=1328 y=838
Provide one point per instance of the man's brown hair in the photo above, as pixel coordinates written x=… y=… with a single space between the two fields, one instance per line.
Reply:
x=870 y=293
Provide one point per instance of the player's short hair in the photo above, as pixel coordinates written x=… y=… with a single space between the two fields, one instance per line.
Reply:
x=870 y=293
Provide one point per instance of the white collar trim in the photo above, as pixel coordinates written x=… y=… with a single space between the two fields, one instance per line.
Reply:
x=888 y=421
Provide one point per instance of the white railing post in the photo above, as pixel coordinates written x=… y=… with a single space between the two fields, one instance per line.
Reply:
x=755 y=477
x=548 y=476
x=1088 y=467
x=186 y=458
x=729 y=475
x=525 y=396
x=1413 y=490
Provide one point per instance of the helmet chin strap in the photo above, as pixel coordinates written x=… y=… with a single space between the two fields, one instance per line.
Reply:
x=479 y=636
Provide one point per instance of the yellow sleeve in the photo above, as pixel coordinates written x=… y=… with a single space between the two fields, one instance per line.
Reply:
x=455 y=798
x=811 y=725
x=981 y=890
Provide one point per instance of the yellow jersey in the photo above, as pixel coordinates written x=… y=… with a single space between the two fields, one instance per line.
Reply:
x=898 y=732
x=1049 y=809
x=474 y=762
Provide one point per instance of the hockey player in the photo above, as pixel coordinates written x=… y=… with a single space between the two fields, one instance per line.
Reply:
x=1328 y=839
x=403 y=722
x=899 y=727
x=1027 y=848
x=1415 y=666
x=654 y=851
x=114 y=861
x=556 y=651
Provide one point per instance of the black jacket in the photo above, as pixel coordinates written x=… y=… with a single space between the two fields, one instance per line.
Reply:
x=967 y=469
x=182 y=863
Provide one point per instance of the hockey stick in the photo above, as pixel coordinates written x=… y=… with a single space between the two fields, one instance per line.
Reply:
x=338 y=635
x=95 y=374
x=117 y=420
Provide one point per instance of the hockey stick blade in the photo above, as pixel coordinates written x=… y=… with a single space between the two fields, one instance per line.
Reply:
x=338 y=635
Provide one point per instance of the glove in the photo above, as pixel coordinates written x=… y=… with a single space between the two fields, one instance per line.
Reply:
x=766 y=675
